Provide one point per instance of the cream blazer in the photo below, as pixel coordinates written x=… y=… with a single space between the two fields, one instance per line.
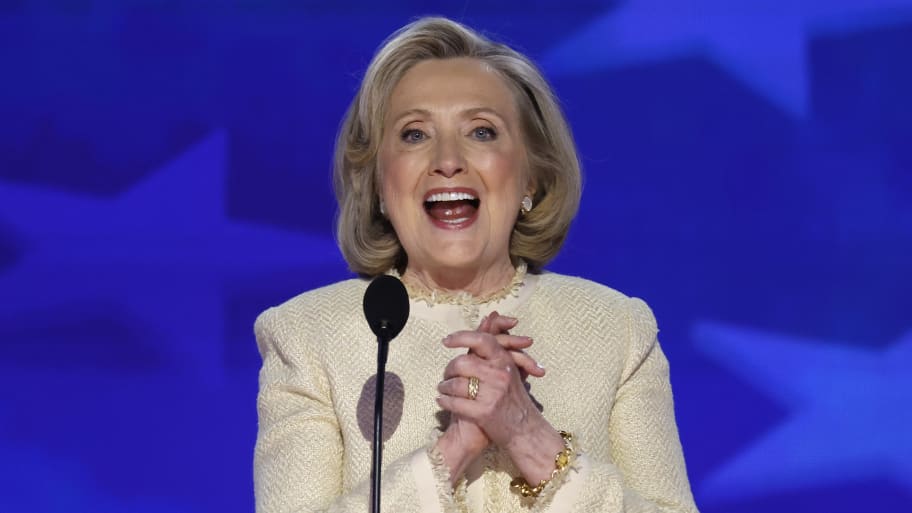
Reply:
x=607 y=383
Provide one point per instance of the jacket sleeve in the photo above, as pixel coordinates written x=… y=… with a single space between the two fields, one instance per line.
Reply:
x=646 y=472
x=299 y=447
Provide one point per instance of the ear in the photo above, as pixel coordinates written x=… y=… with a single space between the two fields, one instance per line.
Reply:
x=531 y=184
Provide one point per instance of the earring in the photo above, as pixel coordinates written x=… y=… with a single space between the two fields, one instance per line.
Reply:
x=526 y=205
x=382 y=208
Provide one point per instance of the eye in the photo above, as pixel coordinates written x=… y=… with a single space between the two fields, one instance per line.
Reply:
x=484 y=133
x=413 y=135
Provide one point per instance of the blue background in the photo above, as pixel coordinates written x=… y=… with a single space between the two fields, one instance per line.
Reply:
x=164 y=176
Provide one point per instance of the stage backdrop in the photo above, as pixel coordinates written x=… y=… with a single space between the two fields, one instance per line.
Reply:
x=164 y=176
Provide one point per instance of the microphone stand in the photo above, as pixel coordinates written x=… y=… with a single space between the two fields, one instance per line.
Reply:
x=377 y=452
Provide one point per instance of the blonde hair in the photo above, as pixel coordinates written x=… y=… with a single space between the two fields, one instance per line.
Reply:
x=366 y=238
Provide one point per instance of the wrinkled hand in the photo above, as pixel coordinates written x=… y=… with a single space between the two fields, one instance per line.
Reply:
x=502 y=409
x=464 y=440
x=499 y=326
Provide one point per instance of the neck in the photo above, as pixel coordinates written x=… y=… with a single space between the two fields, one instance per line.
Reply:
x=476 y=282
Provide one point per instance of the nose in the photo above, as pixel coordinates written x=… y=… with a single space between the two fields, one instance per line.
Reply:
x=448 y=157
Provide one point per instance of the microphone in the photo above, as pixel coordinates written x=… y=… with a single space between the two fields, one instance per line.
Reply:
x=386 y=307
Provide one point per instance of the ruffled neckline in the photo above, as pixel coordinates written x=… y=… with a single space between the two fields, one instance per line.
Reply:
x=432 y=297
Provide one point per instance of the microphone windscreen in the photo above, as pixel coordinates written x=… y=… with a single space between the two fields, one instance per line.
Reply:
x=386 y=306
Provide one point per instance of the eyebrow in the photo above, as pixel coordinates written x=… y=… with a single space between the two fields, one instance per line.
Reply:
x=484 y=110
x=469 y=112
x=410 y=112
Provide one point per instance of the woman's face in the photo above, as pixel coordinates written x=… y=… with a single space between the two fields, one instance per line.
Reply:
x=452 y=163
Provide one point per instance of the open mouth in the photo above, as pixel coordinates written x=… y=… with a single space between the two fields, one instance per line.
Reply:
x=452 y=208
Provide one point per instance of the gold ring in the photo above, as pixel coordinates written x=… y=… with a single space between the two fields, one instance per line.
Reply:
x=473 y=387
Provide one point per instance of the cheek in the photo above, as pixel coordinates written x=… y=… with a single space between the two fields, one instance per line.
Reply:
x=397 y=186
x=505 y=176
x=505 y=179
x=505 y=161
x=391 y=175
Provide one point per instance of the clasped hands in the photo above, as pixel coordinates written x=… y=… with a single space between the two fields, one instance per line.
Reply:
x=502 y=412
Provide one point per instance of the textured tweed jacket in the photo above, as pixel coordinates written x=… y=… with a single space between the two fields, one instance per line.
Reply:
x=607 y=383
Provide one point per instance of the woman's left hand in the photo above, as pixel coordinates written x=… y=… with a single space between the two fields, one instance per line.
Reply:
x=502 y=407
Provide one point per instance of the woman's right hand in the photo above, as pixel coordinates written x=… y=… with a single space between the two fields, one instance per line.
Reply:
x=499 y=326
x=463 y=440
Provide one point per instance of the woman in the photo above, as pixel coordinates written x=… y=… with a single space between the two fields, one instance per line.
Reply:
x=455 y=169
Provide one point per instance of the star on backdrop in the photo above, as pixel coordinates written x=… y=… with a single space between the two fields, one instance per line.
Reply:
x=163 y=249
x=848 y=411
x=761 y=43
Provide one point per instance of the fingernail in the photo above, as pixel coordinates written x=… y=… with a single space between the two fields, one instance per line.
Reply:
x=539 y=365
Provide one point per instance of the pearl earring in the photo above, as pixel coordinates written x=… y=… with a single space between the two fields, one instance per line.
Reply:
x=526 y=205
x=382 y=208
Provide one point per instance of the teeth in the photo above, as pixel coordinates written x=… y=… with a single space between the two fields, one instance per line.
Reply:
x=450 y=196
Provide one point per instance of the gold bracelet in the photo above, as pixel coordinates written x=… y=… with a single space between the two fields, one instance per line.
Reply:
x=561 y=462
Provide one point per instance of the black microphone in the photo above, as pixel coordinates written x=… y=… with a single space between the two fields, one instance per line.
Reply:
x=386 y=307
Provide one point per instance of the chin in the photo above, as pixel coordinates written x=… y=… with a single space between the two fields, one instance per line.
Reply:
x=459 y=261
